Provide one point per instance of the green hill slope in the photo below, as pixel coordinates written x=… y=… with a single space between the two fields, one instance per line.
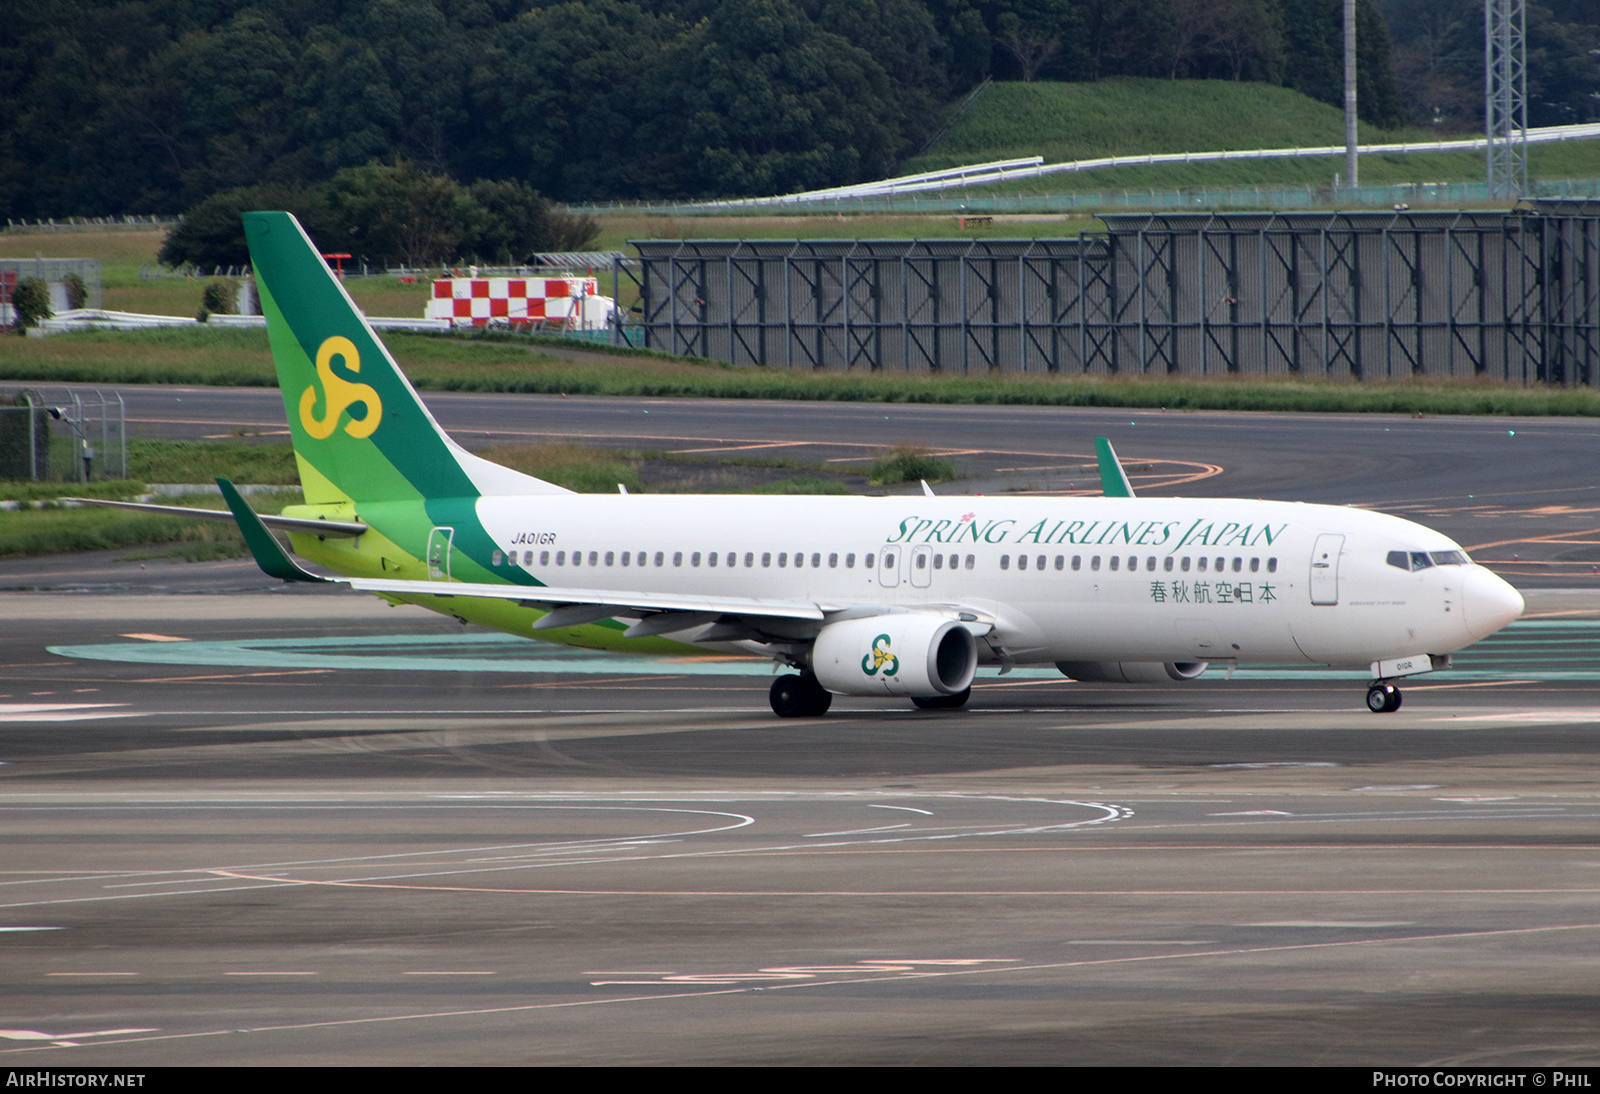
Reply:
x=1121 y=117
x=1129 y=117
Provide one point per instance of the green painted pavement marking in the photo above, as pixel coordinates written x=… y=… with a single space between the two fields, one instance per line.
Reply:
x=1493 y=659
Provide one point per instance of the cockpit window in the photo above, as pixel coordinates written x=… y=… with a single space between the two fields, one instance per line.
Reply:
x=1421 y=560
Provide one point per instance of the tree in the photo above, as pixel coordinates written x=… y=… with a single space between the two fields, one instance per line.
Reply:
x=400 y=214
x=212 y=232
x=30 y=302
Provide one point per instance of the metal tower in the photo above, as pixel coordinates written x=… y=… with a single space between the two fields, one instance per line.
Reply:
x=1506 y=97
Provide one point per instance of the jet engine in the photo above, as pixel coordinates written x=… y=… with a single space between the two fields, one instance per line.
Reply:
x=1131 y=672
x=906 y=653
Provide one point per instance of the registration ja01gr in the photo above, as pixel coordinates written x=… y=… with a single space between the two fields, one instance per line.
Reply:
x=1474 y=1079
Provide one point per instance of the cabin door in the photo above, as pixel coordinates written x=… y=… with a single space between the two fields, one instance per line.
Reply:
x=439 y=544
x=1325 y=569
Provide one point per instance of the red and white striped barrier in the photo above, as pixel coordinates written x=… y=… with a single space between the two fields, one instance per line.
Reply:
x=520 y=301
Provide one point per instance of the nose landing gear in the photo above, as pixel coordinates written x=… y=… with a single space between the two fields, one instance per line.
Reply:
x=1383 y=698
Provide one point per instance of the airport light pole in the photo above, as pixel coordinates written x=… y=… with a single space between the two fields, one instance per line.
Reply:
x=1351 y=177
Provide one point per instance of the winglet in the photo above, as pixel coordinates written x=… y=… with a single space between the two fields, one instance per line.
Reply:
x=268 y=555
x=1113 y=481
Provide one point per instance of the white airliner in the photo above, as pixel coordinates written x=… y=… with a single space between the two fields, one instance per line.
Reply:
x=896 y=596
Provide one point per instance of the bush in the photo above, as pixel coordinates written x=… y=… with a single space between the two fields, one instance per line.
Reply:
x=220 y=295
x=31 y=300
x=908 y=463
x=77 y=291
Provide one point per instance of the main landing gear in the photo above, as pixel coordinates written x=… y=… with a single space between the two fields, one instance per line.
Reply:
x=943 y=702
x=799 y=697
x=1383 y=698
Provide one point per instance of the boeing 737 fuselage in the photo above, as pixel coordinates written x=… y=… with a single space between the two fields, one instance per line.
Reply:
x=900 y=596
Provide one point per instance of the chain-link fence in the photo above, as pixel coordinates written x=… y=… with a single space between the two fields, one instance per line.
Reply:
x=62 y=436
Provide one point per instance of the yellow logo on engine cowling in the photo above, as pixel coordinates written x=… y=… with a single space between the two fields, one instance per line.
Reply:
x=339 y=394
x=880 y=658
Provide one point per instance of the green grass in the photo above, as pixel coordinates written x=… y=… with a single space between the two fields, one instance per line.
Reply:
x=800 y=484
x=438 y=363
x=1135 y=116
x=57 y=530
x=908 y=463
x=574 y=466
x=204 y=461
x=1130 y=117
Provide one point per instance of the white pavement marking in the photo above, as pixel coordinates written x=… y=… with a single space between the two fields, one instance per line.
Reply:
x=60 y=712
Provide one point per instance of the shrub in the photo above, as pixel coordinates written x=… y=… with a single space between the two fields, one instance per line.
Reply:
x=908 y=463
x=31 y=300
x=77 y=291
x=220 y=295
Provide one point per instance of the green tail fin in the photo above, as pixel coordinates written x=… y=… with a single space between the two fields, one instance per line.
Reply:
x=360 y=432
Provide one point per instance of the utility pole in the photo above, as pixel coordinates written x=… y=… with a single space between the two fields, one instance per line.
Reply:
x=1505 y=111
x=1352 y=180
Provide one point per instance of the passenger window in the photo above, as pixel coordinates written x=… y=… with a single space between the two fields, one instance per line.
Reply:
x=711 y=559
x=661 y=558
x=611 y=558
x=1255 y=565
x=577 y=558
x=866 y=560
x=766 y=558
x=1094 y=563
x=1202 y=564
x=1272 y=565
x=971 y=561
x=1022 y=562
x=544 y=558
x=1150 y=563
x=1238 y=564
x=561 y=558
x=1005 y=562
x=1222 y=564
x=922 y=562
x=497 y=558
x=1167 y=564
x=816 y=559
x=694 y=559
x=1133 y=563
x=1061 y=562
x=783 y=558
x=938 y=562
x=1184 y=565
x=527 y=558
x=1038 y=563
x=1116 y=560
x=799 y=559
x=1077 y=562
x=594 y=558
x=677 y=558
x=625 y=556
x=850 y=561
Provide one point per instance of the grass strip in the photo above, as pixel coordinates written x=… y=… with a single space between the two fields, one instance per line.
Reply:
x=441 y=363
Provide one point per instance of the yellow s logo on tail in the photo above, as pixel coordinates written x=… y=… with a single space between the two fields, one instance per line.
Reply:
x=339 y=394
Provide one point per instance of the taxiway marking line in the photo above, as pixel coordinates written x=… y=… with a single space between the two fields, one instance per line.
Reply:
x=931 y=974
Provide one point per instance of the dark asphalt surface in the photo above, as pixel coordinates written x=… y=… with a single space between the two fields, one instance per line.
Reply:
x=216 y=854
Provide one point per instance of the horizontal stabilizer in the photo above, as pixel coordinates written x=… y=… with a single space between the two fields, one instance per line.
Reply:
x=309 y=525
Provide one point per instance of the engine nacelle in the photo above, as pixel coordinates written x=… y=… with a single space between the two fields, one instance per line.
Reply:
x=906 y=653
x=1131 y=672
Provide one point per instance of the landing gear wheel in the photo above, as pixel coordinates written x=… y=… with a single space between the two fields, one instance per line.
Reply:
x=943 y=702
x=1383 y=698
x=799 y=697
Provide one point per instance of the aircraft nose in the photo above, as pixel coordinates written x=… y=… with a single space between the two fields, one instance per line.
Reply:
x=1487 y=602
